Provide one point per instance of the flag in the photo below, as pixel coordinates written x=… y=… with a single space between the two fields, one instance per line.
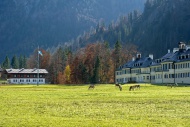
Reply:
x=39 y=52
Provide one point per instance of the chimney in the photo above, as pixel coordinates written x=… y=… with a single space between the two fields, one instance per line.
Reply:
x=133 y=59
x=168 y=50
x=151 y=56
x=175 y=50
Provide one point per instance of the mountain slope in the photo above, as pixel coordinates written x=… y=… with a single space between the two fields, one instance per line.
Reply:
x=24 y=24
x=160 y=27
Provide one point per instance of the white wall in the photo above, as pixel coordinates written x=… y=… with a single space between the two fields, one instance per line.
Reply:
x=25 y=81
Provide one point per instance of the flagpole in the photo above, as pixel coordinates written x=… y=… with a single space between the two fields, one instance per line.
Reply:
x=38 y=68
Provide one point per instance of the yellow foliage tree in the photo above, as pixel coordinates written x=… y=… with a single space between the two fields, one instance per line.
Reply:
x=67 y=74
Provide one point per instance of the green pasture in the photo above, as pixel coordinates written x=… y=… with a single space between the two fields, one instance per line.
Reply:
x=105 y=106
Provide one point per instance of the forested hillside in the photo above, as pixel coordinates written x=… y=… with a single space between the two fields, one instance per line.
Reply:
x=24 y=24
x=161 y=26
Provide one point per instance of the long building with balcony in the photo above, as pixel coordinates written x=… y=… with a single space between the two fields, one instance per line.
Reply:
x=26 y=76
x=173 y=67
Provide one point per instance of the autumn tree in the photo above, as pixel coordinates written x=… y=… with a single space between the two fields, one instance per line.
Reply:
x=77 y=68
x=67 y=74
x=57 y=66
x=60 y=59
x=45 y=59
x=106 y=63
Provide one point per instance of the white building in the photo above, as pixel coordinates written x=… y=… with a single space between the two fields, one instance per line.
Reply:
x=26 y=76
x=174 y=67
x=137 y=70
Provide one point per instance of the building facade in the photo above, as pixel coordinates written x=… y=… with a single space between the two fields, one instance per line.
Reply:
x=173 y=67
x=1 y=71
x=26 y=76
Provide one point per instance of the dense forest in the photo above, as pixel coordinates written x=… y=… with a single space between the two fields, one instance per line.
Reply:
x=95 y=63
x=161 y=26
x=25 y=24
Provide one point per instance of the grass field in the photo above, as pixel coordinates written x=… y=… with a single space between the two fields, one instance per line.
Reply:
x=76 y=106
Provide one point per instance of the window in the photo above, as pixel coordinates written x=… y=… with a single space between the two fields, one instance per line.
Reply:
x=27 y=80
x=158 y=76
x=15 y=80
x=28 y=76
x=178 y=75
x=15 y=76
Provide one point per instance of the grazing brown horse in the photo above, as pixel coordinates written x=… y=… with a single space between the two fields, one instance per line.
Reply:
x=131 y=88
x=118 y=85
x=134 y=87
x=92 y=86
x=137 y=86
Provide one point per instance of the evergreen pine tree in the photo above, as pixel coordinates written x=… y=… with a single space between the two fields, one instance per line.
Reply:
x=24 y=65
x=21 y=61
x=117 y=53
x=95 y=78
x=15 y=62
x=6 y=63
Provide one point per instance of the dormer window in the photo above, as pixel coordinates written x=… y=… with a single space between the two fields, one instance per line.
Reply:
x=138 y=55
x=182 y=45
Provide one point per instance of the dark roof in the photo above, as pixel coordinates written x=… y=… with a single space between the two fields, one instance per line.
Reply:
x=179 y=55
x=28 y=71
x=169 y=57
x=174 y=57
x=138 y=63
x=142 y=62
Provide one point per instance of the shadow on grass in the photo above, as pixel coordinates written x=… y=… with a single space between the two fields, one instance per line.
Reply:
x=179 y=85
